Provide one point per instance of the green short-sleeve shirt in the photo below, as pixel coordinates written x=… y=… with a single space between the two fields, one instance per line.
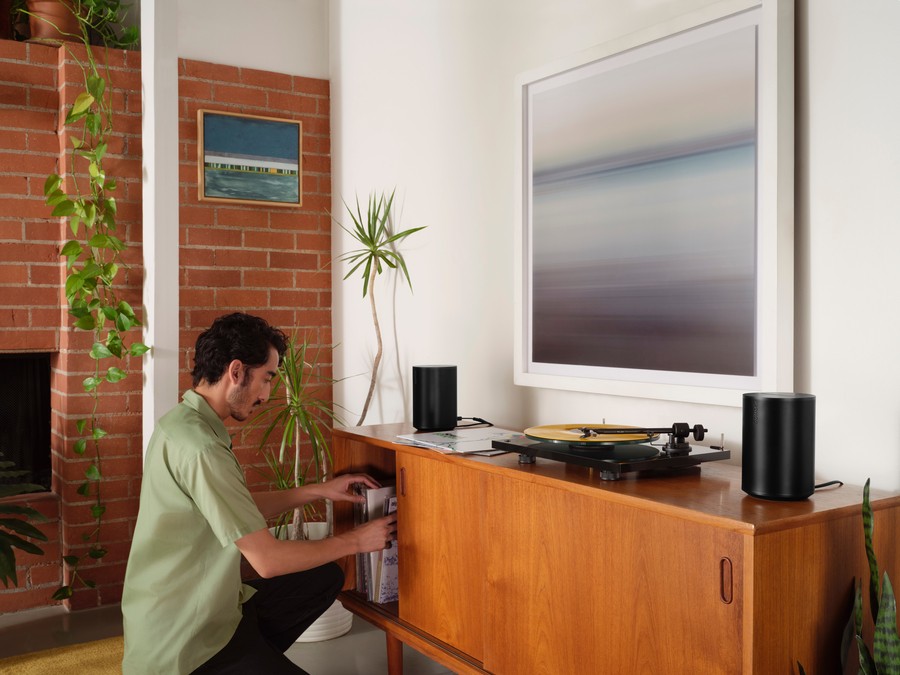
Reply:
x=183 y=592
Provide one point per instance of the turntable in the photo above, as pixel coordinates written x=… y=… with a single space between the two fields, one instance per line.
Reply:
x=615 y=450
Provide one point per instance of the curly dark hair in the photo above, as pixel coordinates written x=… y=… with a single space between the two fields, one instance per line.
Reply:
x=240 y=336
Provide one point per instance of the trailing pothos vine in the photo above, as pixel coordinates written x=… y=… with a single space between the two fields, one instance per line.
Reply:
x=93 y=262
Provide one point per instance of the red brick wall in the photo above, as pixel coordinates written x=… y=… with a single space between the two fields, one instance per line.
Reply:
x=267 y=260
x=270 y=261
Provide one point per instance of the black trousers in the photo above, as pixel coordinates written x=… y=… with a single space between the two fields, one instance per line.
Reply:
x=280 y=610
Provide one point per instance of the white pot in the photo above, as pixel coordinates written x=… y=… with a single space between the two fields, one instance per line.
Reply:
x=336 y=620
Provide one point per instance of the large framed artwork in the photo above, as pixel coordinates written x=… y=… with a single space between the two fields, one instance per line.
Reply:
x=249 y=159
x=655 y=218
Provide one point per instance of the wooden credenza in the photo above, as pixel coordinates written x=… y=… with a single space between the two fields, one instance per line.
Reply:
x=546 y=568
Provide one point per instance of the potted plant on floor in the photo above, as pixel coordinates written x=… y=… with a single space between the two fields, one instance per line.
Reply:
x=300 y=408
x=378 y=251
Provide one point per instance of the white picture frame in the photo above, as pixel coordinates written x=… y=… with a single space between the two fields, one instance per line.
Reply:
x=572 y=113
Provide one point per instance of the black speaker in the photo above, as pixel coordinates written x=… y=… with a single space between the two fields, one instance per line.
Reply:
x=779 y=445
x=434 y=398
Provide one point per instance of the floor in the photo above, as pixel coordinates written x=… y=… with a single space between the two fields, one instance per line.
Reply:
x=359 y=652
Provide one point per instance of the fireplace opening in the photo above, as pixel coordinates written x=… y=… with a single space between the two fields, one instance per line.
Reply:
x=25 y=416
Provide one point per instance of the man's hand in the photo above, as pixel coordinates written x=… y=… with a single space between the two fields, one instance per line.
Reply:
x=375 y=535
x=340 y=488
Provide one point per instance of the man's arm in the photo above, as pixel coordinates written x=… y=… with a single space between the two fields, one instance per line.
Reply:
x=272 y=557
x=340 y=488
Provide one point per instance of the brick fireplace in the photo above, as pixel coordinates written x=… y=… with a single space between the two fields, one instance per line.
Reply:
x=268 y=260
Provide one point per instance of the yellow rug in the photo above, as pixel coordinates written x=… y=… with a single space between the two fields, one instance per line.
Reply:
x=103 y=657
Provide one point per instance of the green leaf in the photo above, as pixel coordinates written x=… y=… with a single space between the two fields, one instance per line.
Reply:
x=92 y=473
x=100 y=351
x=96 y=86
x=80 y=446
x=15 y=509
x=114 y=342
x=115 y=374
x=91 y=383
x=56 y=197
x=866 y=662
x=84 y=490
x=22 y=527
x=23 y=544
x=124 y=323
x=80 y=424
x=886 y=642
x=86 y=322
x=97 y=433
x=92 y=123
x=62 y=593
x=63 y=208
x=125 y=308
x=97 y=511
x=52 y=183
x=70 y=560
x=82 y=102
x=8 y=565
x=74 y=283
x=138 y=349
x=869 y=530
x=71 y=249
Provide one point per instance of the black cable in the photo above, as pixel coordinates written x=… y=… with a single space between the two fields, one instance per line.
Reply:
x=829 y=483
x=477 y=422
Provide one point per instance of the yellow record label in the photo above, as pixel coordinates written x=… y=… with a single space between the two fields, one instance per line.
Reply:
x=587 y=434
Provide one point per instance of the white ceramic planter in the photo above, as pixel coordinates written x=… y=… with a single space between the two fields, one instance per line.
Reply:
x=336 y=620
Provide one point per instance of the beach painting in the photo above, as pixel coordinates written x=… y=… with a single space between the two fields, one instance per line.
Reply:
x=643 y=216
x=249 y=159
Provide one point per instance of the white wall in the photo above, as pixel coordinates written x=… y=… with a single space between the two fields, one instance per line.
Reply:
x=423 y=100
x=282 y=36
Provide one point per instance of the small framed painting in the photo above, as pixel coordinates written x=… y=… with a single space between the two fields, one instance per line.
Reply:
x=248 y=159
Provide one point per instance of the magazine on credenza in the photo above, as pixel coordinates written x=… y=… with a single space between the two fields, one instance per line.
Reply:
x=387 y=581
x=371 y=567
x=461 y=441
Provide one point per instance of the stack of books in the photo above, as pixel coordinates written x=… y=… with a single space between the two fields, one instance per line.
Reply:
x=376 y=573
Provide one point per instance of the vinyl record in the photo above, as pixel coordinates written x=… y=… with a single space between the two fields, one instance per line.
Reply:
x=587 y=434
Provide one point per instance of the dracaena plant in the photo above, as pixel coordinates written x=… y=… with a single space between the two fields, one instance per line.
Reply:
x=299 y=409
x=93 y=264
x=373 y=231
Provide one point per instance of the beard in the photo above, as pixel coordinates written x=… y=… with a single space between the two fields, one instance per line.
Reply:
x=239 y=402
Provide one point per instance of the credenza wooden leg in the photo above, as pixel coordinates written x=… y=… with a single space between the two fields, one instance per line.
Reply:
x=394 y=655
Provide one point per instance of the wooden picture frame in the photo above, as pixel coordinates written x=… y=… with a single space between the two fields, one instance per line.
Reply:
x=249 y=159
x=654 y=234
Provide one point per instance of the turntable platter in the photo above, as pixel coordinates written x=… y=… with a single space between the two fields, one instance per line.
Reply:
x=587 y=434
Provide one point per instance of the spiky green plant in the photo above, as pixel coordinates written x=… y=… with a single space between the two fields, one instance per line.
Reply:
x=884 y=658
x=14 y=526
x=299 y=407
x=373 y=232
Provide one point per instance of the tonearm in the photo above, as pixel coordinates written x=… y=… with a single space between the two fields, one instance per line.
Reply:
x=678 y=433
